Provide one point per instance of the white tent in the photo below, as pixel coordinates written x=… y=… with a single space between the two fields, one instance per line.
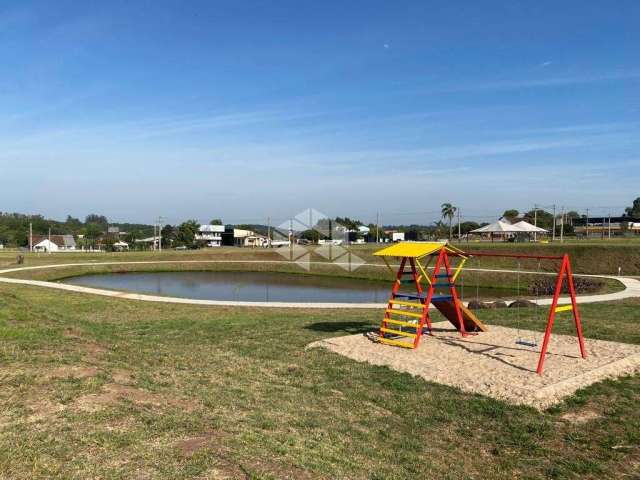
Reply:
x=499 y=227
x=120 y=245
x=527 y=227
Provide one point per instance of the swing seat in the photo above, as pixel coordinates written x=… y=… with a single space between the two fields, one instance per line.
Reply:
x=526 y=343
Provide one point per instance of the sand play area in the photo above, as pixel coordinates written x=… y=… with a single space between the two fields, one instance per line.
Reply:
x=492 y=364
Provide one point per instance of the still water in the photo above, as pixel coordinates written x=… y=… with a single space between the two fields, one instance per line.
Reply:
x=243 y=286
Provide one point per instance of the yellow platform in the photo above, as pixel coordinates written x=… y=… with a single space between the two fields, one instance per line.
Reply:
x=416 y=249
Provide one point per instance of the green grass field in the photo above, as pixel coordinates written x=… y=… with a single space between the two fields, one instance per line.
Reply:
x=95 y=387
x=107 y=388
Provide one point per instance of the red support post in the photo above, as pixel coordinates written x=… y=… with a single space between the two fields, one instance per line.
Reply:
x=434 y=279
x=576 y=312
x=565 y=270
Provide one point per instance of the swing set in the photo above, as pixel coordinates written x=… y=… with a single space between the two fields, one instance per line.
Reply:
x=406 y=318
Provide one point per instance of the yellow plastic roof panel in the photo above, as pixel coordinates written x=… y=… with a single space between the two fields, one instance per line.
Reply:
x=411 y=249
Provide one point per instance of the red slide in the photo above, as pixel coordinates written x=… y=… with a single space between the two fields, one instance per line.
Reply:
x=471 y=322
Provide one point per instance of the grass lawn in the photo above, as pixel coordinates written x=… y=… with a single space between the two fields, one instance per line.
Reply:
x=96 y=387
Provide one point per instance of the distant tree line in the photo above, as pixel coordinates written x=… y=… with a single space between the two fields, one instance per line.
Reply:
x=14 y=228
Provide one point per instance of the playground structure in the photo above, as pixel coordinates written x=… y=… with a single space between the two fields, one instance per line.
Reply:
x=406 y=318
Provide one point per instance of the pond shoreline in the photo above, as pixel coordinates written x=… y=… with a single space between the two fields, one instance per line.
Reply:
x=631 y=286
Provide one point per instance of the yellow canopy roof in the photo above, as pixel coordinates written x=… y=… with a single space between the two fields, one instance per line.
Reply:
x=411 y=249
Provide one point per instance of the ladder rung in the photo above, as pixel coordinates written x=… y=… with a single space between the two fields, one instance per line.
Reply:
x=398 y=332
x=401 y=323
x=442 y=275
x=441 y=298
x=407 y=272
x=443 y=284
x=410 y=296
x=409 y=280
x=407 y=304
x=403 y=312
x=563 y=308
x=397 y=343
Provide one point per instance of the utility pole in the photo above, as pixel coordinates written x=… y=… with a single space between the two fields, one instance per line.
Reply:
x=160 y=219
x=603 y=224
x=609 y=226
x=562 y=226
x=268 y=231
x=30 y=237
x=459 y=228
x=553 y=233
x=291 y=232
x=587 y=225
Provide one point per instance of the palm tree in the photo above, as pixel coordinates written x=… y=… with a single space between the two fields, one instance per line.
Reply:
x=448 y=211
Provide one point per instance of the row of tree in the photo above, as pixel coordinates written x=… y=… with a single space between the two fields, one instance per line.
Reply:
x=14 y=227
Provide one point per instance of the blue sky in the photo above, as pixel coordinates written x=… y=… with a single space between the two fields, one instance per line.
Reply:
x=246 y=109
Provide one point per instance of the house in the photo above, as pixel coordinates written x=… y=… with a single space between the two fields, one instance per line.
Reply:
x=240 y=234
x=395 y=235
x=53 y=243
x=211 y=234
x=256 y=240
x=151 y=241
x=248 y=238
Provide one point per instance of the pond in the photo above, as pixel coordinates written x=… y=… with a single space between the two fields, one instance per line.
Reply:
x=248 y=286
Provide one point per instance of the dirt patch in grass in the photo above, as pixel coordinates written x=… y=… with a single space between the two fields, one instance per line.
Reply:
x=227 y=467
x=114 y=393
x=71 y=332
x=43 y=409
x=122 y=377
x=91 y=350
x=71 y=371
x=581 y=416
x=211 y=439
x=268 y=468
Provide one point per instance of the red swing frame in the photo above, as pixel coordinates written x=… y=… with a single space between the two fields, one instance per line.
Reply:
x=565 y=271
